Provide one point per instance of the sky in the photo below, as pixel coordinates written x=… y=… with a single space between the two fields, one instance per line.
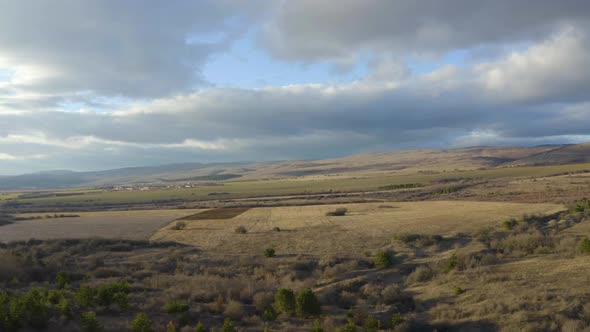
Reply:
x=89 y=85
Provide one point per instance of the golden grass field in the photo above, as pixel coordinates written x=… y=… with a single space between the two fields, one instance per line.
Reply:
x=307 y=229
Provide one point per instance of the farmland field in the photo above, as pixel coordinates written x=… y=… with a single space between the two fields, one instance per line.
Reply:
x=240 y=189
x=308 y=229
x=133 y=225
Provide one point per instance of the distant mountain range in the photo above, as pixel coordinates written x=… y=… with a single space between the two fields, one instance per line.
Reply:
x=409 y=161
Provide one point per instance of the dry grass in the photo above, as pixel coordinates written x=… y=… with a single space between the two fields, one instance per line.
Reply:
x=307 y=229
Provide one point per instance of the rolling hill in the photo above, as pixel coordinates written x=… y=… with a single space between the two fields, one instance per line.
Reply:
x=399 y=162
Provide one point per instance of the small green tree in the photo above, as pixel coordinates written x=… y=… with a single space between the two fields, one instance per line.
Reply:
x=584 y=246
x=62 y=280
x=350 y=326
x=396 y=319
x=141 y=323
x=452 y=263
x=317 y=326
x=85 y=295
x=200 y=327
x=307 y=304
x=269 y=252
x=383 y=259
x=228 y=326
x=372 y=324
x=284 y=301
x=89 y=322
x=175 y=307
x=64 y=308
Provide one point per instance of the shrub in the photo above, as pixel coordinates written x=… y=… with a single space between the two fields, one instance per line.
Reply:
x=228 y=326
x=396 y=320
x=33 y=307
x=509 y=224
x=175 y=307
x=391 y=294
x=263 y=301
x=317 y=326
x=269 y=314
x=170 y=327
x=241 y=230
x=338 y=212
x=307 y=304
x=115 y=292
x=452 y=263
x=89 y=322
x=85 y=295
x=62 y=280
x=350 y=326
x=383 y=259
x=269 y=252
x=584 y=246
x=141 y=323
x=234 y=310
x=276 y=229
x=64 y=309
x=421 y=274
x=179 y=225
x=284 y=301
x=372 y=324
x=199 y=327
x=458 y=290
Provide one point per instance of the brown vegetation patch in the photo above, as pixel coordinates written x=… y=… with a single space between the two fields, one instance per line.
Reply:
x=221 y=213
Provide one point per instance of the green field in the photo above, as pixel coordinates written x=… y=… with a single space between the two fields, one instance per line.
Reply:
x=239 y=189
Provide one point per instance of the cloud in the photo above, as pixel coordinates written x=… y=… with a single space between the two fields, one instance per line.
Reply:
x=64 y=49
x=391 y=108
x=132 y=74
x=312 y=30
x=551 y=70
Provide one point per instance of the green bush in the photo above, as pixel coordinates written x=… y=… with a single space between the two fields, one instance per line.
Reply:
x=175 y=307
x=317 y=326
x=269 y=252
x=584 y=246
x=372 y=324
x=241 y=230
x=284 y=302
x=383 y=259
x=141 y=323
x=62 y=280
x=64 y=308
x=452 y=263
x=307 y=304
x=85 y=295
x=33 y=306
x=89 y=322
x=228 y=326
x=396 y=319
x=200 y=327
x=105 y=295
x=350 y=326
x=269 y=314
x=459 y=290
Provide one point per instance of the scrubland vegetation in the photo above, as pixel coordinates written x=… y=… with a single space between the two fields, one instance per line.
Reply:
x=461 y=251
x=406 y=282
